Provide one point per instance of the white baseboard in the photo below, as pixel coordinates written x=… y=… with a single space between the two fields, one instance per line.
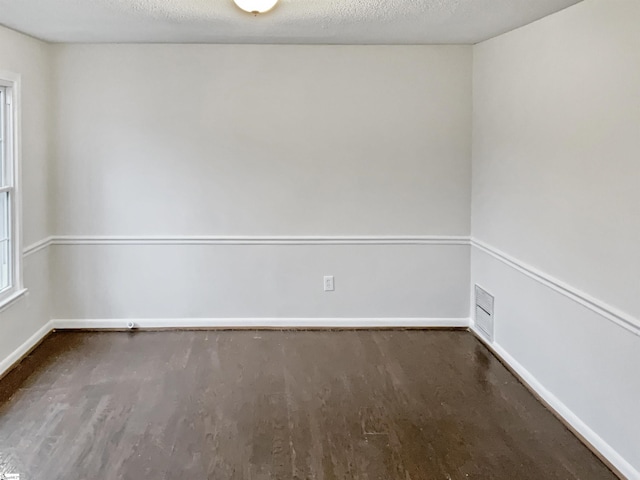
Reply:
x=581 y=428
x=9 y=362
x=115 y=323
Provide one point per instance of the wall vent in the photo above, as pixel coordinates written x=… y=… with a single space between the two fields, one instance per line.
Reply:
x=484 y=312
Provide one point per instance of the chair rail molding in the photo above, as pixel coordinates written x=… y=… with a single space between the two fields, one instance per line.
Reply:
x=620 y=318
x=261 y=240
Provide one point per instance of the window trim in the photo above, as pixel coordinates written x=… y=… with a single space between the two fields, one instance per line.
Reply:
x=12 y=81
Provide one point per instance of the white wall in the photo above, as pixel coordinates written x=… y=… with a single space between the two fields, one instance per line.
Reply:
x=224 y=140
x=263 y=140
x=556 y=176
x=273 y=281
x=30 y=58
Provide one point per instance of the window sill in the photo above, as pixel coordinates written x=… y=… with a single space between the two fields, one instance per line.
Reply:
x=11 y=299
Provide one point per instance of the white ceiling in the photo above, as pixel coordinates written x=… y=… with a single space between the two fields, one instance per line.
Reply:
x=291 y=21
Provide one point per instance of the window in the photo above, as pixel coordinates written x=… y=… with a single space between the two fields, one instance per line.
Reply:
x=10 y=272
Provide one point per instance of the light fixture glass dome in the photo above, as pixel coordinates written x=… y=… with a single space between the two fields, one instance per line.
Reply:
x=256 y=6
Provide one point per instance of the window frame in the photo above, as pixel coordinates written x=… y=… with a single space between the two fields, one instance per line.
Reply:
x=10 y=83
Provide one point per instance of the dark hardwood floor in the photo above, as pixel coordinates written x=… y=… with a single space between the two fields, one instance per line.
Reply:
x=190 y=405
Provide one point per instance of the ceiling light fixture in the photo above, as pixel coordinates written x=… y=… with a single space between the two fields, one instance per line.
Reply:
x=256 y=6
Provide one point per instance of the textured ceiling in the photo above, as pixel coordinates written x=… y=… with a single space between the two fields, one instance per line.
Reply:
x=291 y=21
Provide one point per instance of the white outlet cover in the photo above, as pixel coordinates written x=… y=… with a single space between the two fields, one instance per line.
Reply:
x=329 y=285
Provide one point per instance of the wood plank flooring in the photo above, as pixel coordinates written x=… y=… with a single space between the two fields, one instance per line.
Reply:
x=258 y=405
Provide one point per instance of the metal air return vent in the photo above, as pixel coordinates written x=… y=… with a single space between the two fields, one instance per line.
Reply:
x=484 y=312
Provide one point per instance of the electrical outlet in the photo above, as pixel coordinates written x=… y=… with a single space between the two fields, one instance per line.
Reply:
x=329 y=286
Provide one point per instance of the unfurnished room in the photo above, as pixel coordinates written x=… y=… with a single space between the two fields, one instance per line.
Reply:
x=319 y=239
